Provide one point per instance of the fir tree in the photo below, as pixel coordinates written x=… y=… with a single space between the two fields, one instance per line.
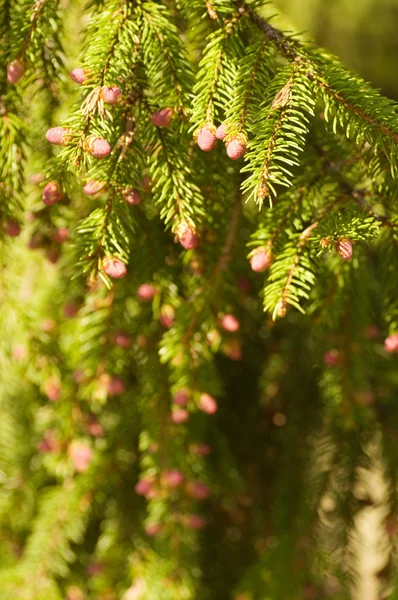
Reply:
x=203 y=427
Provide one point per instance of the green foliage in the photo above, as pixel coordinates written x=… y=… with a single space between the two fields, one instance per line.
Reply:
x=266 y=391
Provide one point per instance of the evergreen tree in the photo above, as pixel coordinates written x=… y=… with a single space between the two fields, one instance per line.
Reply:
x=199 y=308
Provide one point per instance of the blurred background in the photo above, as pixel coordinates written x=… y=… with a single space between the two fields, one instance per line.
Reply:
x=363 y=33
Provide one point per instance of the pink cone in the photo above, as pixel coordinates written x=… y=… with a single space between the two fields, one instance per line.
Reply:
x=146 y=292
x=179 y=416
x=15 y=71
x=78 y=75
x=167 y=315
x=143 y=487
x=332 y=358
x=132 y=197
x=115 y=386
x=181 y=397
x=81 y=455
x=230 y=323
x=123 y=340
x=194 y=522
x=52 y=389
x=236 y=147
x=261 y=259
x=221 y=132
x=198 y=490
x=94 y=428
x=153 y=529
x=391 y=343
x=173 y=479
x=11 y=228
x=94 y=187
x=201 y=449
x=232 y=349
x=206 y=138
x=97 y=146
x=71 y=309
x=61 y=235
x=344 y=249
x=163 y=117
x=52 y=193
x=60 y=136
x=186 y=236
x=208 y=404
x=114 y=267
x=111 y=94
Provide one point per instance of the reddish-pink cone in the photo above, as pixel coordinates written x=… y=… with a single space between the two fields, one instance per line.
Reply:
x=391 y=343
x=167 y=314
x=230 y=323
x=332 y=358
x=181 y=397
x=15 y=71
x=122 y=339
x=173 y=479
x=78 y=75
x=221 y=132
x=236 y=147
x=81 y=455
x=97 y=146
x=48 y=443
x=114 y=267
x=60 y=136
x=52 y=389
x=344 y=249
x=144 y=486
x=163 y=117
x=233 y=349
x=71 y=309
x=95 y=428
x=194 y=522
x=94 y=187
x=11 y=228
x=153 y=529
x=179 y=415
x=208 y=404
x=198 y=490
x=261 y=259
x=115 y=386
x=61 y=235
x=52 y=193
x=186 y=236
x=206 y=137
x=201 y=449
x=146 y=292
x=132 y=197
x=110 y=94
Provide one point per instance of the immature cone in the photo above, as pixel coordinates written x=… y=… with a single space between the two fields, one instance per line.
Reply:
x=97 y=146
x=194 y=522
x=233 y=349
x=186 y=236
x=81 y=455
x=122 y=339
x=344 y=249
x=15 y=71
x=391 y=343
x=236 y=147
x=201 y=449
x=179 y=415
x=230 y=323
x=146 y=292
x=163 y=117
x=115 y=386
x=111 y=94
x=94 y=187
x=261 y=259
x=198 y=490
x=143 y=487
x=152 y=530
x=132 y=196
x=167 y=314
x=52 y=193
x=114 y=267
x=206 y=137
x=11 y=228
x=208 y=404
x=52 y=389
x=332 y=358
x=173 y=479
x=181 y=397
x=221 y=132
x=78 y=75
x=60 y=136
x=61 y=235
